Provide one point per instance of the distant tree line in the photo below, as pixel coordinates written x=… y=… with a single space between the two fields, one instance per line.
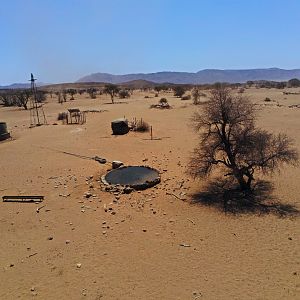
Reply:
x=20 y=97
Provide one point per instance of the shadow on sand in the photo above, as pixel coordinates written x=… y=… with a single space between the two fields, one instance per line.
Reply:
x=229 y=198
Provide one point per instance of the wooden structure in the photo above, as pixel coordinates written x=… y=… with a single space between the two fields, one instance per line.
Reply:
x=37 y=115
x=22 y=198
x=75 y=116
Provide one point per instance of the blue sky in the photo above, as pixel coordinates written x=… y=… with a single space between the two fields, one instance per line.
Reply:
x=63 y=40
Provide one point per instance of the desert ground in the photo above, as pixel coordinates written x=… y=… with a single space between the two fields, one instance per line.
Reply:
x=158 y=243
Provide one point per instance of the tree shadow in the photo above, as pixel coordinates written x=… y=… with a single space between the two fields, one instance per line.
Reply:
x=227 y=196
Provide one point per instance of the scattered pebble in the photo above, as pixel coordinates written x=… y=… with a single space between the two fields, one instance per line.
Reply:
x=184 y=245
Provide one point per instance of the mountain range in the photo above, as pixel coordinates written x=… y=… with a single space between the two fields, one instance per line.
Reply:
x=201 y=77
x=19 y=86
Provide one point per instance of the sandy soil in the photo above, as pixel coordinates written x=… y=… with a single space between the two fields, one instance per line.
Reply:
x=73 y=249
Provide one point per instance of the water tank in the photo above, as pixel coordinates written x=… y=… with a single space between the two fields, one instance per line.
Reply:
x=4 y=134
x=120 y=126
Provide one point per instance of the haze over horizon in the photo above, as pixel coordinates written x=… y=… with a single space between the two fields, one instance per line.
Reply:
x=62 y=41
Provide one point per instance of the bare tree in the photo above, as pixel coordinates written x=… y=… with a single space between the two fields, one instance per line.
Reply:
x=7 y=98
x=112 y=90
x=229 y=138
x=158 y=88
x=179 y=90
x=196 y=94
x=22 y=98
x=92 y=92
x=72 y=92
x=64 y=95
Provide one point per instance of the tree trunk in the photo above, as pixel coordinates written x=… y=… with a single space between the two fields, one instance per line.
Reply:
x=244 y=185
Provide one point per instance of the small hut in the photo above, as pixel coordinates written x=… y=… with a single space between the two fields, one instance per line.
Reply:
x=120 y=126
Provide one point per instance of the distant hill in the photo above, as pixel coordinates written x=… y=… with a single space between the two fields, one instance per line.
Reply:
x=138 y=84
x=201 y=77
x=19 y=86
x=135 y=84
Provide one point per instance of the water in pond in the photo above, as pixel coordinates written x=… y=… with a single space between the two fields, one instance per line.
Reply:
x=133 y=176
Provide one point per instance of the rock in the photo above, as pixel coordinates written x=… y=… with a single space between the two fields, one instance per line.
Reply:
x=116 y=164
x=127 y=190
x=88 y=194
x=32 y=289
x=100 y=160
x=68 y=241
x=50 y=238
x=78 y=266
x=184 y=245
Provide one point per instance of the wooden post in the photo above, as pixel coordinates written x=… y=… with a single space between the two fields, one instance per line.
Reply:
x=151 y=132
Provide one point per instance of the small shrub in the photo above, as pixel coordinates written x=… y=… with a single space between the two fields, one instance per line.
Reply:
x=268 y=99
x=62 y=116
x=156 y=95
x=146 y=97
x=163 y=101
x=179 y=91
x=142 y=126
x=124 y=94
x=187 y=97
x=241 y=90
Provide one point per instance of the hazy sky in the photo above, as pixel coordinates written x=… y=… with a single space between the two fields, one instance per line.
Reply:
x=63 y=40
